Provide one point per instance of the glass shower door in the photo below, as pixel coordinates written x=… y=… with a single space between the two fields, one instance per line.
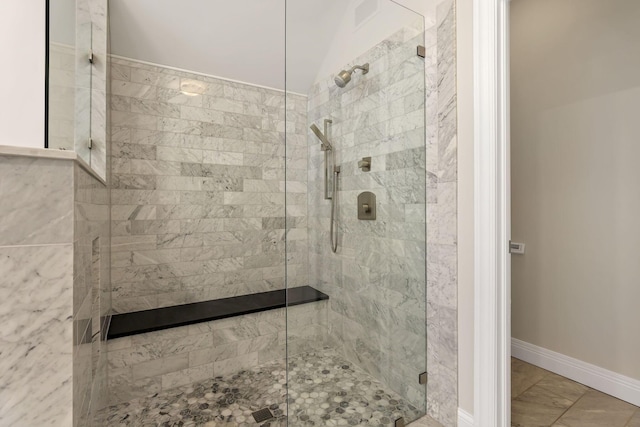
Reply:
x=356 y=171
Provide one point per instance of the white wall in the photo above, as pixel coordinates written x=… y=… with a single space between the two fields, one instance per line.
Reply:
x=575 y=178
x=22 y=49
x=465 y=204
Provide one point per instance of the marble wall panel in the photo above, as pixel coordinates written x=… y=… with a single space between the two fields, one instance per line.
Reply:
x=376 y=280
x=27 y=217
x=36 y=303
x=55 y=253
x=91 y=294
x=198 y=188
x=35 y=345
x=442 y=283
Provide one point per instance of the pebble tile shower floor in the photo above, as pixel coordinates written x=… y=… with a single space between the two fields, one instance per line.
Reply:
x=325 y=390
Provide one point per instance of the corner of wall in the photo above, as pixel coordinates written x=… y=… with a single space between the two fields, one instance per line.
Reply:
x=36 y=261
x=442 y=279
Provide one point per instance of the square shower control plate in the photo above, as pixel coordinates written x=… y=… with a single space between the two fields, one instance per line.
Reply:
x=367 y=206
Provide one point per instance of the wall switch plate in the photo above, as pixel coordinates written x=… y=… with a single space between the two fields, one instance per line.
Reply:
x=516 y=248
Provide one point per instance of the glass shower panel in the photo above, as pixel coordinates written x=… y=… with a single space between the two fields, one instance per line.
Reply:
x=84 y=77
x=69 y=77
x=198 y=119
x=356 y=213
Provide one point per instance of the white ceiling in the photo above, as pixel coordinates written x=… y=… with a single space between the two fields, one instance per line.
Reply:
x=239 y=39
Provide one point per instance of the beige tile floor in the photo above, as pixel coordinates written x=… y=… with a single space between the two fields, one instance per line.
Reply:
x=426 y=421
x=543 y=399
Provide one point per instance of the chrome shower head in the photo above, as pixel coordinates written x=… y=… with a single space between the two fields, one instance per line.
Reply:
x=344 y=76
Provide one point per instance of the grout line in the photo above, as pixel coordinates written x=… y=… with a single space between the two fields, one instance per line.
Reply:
x=535 y=383
x=637 y=412
x=35 y=245
x=574 y=403
x=562 y=415
x=630 y=418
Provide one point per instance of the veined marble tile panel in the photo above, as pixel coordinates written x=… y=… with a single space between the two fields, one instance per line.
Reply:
x=441 y=226
x=37 y=313
x=133 y=90
x=139 y=75
x=216 y=172
x=92 y=294
x=37 y=201
x=381 y=115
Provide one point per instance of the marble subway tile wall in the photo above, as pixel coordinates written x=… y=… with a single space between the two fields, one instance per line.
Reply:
x=442 y=282
x=91 y=294
x=144 y=364
x=198 y=187
x=36 y=304
x=376 y=280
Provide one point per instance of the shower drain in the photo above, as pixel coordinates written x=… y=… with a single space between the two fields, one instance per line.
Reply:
x=262 y=415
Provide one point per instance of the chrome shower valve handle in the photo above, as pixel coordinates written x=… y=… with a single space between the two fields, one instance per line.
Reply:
x=365 y=164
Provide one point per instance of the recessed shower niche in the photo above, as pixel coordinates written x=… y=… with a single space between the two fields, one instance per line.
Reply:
x=242 y=278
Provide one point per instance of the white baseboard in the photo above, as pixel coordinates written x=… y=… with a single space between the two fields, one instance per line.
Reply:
x=609 y=382
x=465 y=419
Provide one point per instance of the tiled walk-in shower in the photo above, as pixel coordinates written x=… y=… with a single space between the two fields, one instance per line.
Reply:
x=209 y=203
x=262 y=219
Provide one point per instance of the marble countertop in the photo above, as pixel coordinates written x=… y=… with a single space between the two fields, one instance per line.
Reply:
x=48 y=153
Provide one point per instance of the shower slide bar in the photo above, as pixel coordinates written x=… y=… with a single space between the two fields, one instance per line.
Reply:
x=326 y=147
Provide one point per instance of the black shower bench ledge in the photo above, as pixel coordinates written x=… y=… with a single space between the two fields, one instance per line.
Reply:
x=157 y=319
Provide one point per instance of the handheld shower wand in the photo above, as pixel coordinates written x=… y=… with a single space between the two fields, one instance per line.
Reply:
x=327 y=147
